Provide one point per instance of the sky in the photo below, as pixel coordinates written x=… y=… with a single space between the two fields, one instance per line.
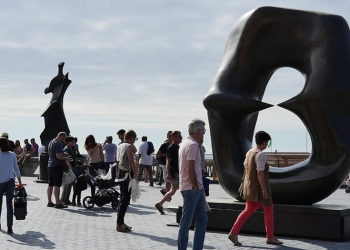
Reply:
x=141 y=65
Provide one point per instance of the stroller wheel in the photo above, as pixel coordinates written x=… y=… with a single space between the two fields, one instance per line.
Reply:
x=88 y=202
x=115 y=204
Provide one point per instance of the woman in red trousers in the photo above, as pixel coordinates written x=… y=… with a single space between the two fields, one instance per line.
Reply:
x=256 y=190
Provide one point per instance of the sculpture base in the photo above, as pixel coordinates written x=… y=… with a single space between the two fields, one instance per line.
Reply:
x=320 y=221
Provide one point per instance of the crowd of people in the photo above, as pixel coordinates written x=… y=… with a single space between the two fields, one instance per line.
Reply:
x=23 y=153
x=182 y=165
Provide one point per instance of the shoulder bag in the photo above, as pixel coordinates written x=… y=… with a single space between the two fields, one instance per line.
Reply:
x=68 y=177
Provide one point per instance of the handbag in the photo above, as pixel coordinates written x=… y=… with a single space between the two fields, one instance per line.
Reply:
x=68 y=177
x=240 y=189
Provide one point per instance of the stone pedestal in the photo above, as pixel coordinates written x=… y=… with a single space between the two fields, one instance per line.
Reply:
x=320 y=221
x=29 y=167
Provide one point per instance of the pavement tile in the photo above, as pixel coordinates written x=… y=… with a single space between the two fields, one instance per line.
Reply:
x=80 y=228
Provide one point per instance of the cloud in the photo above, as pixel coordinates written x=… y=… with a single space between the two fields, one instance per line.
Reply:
x=145 y=65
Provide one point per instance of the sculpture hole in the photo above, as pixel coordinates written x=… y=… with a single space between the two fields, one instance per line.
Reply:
x=288 y=132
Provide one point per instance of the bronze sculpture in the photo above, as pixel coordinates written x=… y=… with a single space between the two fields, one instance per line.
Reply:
x=263 y=40
x=55 y=120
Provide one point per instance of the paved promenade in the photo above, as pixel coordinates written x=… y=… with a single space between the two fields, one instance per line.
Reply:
x=80 y=228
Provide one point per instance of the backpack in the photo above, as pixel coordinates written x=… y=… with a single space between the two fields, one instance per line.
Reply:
x=124 y=164
x=150 y=149
x=122 y=157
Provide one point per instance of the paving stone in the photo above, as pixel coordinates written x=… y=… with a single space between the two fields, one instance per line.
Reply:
x=80 y=228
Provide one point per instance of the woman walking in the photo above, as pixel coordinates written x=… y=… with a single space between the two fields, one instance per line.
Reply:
x=256 y=190
x=8 y=166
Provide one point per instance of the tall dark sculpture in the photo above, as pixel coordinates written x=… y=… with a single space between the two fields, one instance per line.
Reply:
x=263 y=40
x=55 y=120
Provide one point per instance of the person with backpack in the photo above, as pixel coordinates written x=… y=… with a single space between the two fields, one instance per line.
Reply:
x=145 y=154
x=127 y=171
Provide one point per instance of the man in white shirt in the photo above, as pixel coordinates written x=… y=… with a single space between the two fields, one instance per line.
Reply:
x=145 y=160
x=41 y=149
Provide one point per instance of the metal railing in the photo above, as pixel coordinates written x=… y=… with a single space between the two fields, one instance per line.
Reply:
x=211 y=173
x=285 y=159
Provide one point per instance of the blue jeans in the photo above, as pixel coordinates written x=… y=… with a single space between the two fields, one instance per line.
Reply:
x=193 y=205
x=8 y=188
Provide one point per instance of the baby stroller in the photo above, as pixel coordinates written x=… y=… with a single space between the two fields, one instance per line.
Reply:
x=106 y=193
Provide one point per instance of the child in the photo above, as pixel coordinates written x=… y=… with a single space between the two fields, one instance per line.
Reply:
x=80 y=183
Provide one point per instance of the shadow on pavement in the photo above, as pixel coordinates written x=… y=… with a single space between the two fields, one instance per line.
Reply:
x=32 y=198
x=103 y=212
x=140 y=209
x=169 y=241
x=32 y=238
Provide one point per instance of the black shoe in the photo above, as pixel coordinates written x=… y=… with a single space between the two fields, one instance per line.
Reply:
x=9 y=230
x=151 y=185
x=159 y=208
x=73 y=203
x=162 y=192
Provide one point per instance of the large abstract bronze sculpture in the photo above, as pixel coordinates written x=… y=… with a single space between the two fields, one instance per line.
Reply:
x=55 y=120
x=263 y=40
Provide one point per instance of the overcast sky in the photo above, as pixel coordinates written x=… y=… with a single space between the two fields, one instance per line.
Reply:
x=142 y=65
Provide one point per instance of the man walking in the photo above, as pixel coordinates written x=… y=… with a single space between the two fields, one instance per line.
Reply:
x=172 y=167
x=55 y=150
x=145 y=160
x=191 y=187
x=161 y=154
